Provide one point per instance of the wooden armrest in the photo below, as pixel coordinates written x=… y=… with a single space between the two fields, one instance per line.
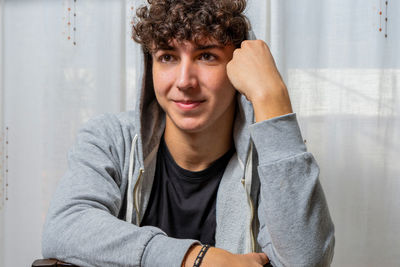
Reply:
x=51 y=263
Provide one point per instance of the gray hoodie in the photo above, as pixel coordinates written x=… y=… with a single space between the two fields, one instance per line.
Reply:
x=269 y=199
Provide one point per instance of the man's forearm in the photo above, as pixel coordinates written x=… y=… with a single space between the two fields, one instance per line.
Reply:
x=216 y=257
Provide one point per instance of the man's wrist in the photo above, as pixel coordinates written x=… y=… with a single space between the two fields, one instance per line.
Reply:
x=214 y=257
x=191 y=255
x=271 y=104
x=264 y=110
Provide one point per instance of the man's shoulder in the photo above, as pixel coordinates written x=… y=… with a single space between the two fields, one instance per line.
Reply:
x=111 y=124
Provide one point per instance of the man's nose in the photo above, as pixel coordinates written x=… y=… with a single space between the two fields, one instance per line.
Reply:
x=187 y=75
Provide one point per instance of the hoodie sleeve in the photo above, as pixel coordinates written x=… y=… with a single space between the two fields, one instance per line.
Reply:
x=295 y=225
x=82 y=225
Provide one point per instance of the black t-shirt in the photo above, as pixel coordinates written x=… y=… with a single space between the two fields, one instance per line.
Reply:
x=182 y=203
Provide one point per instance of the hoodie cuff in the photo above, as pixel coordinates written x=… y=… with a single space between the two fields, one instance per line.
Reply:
x=166 y=251
x=277 y=138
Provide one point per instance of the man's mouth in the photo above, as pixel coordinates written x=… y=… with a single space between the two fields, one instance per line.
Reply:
x=188 y=104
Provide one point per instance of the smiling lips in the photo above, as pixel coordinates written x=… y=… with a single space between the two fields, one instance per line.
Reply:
x=188 y=104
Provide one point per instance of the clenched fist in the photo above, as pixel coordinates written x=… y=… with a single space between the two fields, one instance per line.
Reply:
x=252 y=71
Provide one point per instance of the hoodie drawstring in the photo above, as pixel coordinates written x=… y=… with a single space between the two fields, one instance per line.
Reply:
x=247 y=186
x=129 y=206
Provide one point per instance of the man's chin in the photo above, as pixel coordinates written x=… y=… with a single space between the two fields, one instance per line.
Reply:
x=191 y=129
x=191 y=126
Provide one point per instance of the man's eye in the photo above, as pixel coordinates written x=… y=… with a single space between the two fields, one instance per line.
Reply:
x=166 y=58
x=207 y=57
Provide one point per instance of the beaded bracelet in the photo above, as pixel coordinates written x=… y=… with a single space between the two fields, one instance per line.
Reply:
x=200 y=257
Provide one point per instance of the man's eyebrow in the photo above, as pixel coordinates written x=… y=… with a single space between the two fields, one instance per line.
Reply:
x=166 y=48
x=211 y=46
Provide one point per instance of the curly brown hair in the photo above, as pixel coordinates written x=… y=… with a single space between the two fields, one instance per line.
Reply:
x=190 y=20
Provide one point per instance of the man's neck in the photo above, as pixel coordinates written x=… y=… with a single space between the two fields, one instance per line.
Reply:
x=197 y=151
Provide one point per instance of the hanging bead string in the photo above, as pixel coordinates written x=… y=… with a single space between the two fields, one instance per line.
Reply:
x=1 y=172
x=71 y=21
x=132 y=15
x=386 y=16
x=74 y=26
x=6 y=166
x=68 y=21
x=6 y=176
x=380 y=15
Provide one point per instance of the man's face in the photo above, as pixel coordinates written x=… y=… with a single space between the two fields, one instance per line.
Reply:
x=192 y=86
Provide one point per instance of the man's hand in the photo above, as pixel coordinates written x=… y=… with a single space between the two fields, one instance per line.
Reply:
x=216 y=257
x=252 y=71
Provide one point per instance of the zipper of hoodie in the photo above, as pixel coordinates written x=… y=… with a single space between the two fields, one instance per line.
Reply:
x=135 y=192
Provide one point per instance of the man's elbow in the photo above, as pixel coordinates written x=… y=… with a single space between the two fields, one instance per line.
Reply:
x=49 y=243
x=53 y=242
x=324 y=256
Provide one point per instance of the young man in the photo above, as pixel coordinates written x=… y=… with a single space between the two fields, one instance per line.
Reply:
x=211 y=155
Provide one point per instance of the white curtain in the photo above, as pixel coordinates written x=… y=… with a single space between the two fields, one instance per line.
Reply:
x=343 y=74
x=51 y=86
x=341 y=71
